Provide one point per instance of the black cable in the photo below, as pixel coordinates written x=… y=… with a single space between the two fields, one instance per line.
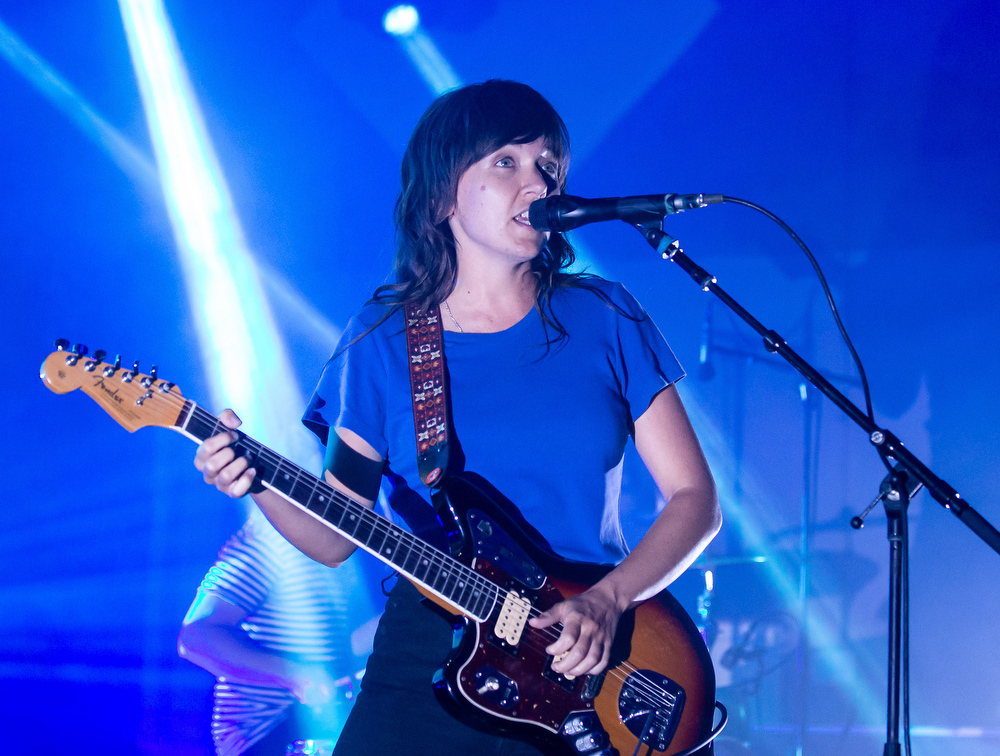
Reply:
x=829 y=298
x=905 y=577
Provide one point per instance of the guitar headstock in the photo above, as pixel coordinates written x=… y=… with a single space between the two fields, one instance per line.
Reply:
x=133 y=399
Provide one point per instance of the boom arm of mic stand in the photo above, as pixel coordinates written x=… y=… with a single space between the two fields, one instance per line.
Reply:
x=885 y=441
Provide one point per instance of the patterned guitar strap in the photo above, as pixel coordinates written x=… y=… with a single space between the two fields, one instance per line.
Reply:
x=425 y=345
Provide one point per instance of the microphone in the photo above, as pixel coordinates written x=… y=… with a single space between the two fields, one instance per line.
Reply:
x=563 y=212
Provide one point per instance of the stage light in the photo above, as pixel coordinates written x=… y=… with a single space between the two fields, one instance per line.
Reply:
x=403 y=23
x=401 y=20
x=748 y=514
x=58 y=91
x=242 y=351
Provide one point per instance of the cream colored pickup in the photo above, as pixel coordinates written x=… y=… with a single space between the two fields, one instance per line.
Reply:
x=513 y=616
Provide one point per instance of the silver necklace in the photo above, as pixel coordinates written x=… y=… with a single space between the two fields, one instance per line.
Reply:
x=452 y=316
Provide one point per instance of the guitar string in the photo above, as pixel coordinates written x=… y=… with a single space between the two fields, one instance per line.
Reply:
x=446 y=566
x=429 y=555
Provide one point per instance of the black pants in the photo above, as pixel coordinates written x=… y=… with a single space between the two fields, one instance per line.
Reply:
x=396 y=710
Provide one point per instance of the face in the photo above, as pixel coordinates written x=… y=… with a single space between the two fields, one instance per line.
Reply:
x=490 y=216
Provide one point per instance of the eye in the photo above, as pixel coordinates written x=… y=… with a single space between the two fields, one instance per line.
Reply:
x=505 y=162
x=551 y=168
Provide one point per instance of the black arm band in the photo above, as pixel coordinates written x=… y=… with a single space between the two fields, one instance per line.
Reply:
x=356 y=471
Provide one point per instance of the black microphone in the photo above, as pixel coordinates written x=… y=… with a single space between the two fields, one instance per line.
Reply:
x=563 y=212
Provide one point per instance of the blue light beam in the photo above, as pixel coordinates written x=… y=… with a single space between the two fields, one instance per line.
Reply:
x=403 y=23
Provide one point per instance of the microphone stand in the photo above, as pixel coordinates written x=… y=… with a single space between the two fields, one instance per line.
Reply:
x=908 y=466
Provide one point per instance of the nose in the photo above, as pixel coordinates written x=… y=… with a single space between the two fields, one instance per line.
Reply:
x=538 y=182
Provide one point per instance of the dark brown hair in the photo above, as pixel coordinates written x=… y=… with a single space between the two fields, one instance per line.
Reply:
x=459 y=129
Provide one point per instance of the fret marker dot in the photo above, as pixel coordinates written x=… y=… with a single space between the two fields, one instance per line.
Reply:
x=322 y=499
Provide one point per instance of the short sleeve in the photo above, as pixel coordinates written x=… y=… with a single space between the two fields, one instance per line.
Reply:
x=351 y=390
x=646 y=364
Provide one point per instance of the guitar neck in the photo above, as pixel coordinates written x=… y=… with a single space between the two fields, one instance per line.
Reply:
x=421 y=563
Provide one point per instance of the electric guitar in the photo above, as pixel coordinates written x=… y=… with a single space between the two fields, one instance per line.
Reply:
x=656 y=695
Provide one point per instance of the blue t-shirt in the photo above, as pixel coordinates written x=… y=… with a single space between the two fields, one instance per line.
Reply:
x=544 y=421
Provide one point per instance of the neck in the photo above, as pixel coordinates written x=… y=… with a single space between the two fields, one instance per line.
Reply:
x=487 y=302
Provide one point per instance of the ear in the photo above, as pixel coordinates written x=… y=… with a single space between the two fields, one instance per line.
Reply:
x=444 y=213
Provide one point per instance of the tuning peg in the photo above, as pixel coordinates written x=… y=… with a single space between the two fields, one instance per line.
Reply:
x=79 y=349
x=148 y=380
x=128 y=375
x=110 y=369
x=61 y=344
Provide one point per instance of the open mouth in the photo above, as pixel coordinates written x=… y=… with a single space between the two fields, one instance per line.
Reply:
x=523 y=218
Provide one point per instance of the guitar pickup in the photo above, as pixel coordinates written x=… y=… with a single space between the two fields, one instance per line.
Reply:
x=568 y=682
x=511 y=621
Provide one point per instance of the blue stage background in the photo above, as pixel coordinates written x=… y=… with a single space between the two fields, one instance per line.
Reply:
x=872 y=128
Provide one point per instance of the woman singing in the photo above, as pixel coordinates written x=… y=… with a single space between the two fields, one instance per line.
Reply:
x=549 y=373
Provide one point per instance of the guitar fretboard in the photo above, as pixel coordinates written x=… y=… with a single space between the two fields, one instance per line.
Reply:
x=443 y=575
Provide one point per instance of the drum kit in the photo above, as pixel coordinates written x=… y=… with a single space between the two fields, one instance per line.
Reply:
x=750 y=631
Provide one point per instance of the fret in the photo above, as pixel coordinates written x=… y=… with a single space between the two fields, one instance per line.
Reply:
x=466 y=590
x=320 y=504
x=283 y=479
x=363 y=528
x=302 y=489
x=448 y=582
x=377 y=536
x=342 y=508
x=200 y=426
x=409 y=562
x=389 y=548
x=453 y=580
x=349 y=522
x=396 y=547
x=433 y=573
x=423 y=567
x=483 y=604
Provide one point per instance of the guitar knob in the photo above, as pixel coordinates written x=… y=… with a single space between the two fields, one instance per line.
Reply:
x=61 y=344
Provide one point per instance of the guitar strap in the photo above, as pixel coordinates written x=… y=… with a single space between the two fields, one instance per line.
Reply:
x=425 y=346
